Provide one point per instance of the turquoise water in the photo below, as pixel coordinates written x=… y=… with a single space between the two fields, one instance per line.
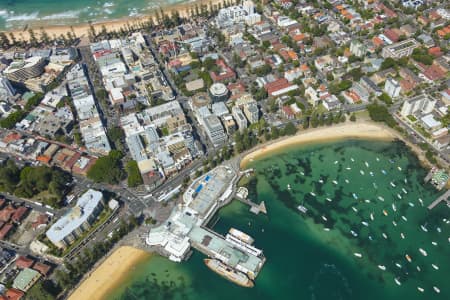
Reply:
x=303 y=260
x=18 y=13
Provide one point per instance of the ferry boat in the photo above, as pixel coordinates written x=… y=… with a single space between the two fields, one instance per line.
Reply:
x=385 y=212
x=302 y=209
x=242 y=241
x=435 y=267
x=357 y=254
x=225 y=271
x=423 y=252
x=404 y=218
x=420 y=289
x=241 y=236
x=381 y=267
x=436 y=289
x=408 y=258
x=397 y=281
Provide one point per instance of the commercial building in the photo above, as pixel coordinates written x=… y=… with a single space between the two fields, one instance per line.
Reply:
x=77 y=220
x=392 y=88
x=214 y=129
x=218 y=92
x=6 y=89
x=238 y=115
x=251 y=112
x=400 y=49
x=422 y=104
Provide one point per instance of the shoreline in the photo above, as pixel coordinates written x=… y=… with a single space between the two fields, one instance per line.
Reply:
x=357 y=130
x=81 y=29
x=110 y=274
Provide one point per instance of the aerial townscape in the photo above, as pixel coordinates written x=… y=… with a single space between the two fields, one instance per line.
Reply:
x=220 y=149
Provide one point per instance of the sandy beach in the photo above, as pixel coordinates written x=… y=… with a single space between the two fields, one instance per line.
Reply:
x=109 y=274
x=357 y=130
x=81 y=30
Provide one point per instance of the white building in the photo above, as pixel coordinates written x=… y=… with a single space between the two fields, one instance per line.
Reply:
x=79 y=219
x=400 y=49
x=238 y=115
x=357 y=48
x=419 y=104
x=392 y=88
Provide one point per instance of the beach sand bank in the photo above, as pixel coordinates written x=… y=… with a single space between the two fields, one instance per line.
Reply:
x=349 y=130
x=81 y=30
x=109 y=274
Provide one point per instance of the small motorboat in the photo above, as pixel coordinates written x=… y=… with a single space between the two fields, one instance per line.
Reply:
x=365 y=223
x=420 y=289
x=423 y=252
x=435 y=266
x=436 y=289
x=353 y=233
x=404 y=219
x=408 y=258
x=381 y=267
x=385 y=212
x=384 y=235
x=359 y=255
x=397 y=281
x=402 y=235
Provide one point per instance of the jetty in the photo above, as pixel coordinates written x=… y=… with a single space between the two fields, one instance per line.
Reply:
x=443 y=197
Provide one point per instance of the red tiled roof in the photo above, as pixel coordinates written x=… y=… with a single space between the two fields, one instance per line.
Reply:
x=5 y=230
x=14 y=294
x=42 y=268
x=24 y=262
x=19 y=213
x=276 y=85
x=6 y=213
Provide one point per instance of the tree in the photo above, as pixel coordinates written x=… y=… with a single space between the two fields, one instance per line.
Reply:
x=32 y=38
x=134 y=175
x=353 y=118
x=290 y=129
x=379 y=113
x=107 y=168
x=45 y=39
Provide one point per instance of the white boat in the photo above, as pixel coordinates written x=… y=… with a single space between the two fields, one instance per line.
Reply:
x=411 y=204
x=420 y=289
x=312 y=193
x=351 y=158
x=424 y=253
x=394 y=208
x=404 y=218
x=328 y=199
x=434 y=243
x=418 y=268
x=365 y=223
x=347 y=181
x=366 y=163
x=367 y=200
x=394 y=223
x=398 y=196
x=377 y=159
x=362 y=172
x=370 y=238
x=404 y=191
x=384 y=235
x=353 y=233
x=371 y=216
x=289 y=187
x=384 y=172
x=335 y=162
x=320 y=180
x=302 y=209
x=371 y=173
x=405 y=180
x=335 y=182
x=303 y=174
x=354 y=209
x=424 y=228
x=421 y=201
x=436 y=289
x=399 y=168
x=408 y=258
x=374 y=185
x=402 y=235
x=392 y=184
x=397 y=281
x=324 y=218
x=326 y=229
x=381 y=267
x=380 y=198
x=348 y=168
x=398 y=265
x=439 y=229
x=357 y=254
x=435 y=267
x=385 y=212
x=354 y=196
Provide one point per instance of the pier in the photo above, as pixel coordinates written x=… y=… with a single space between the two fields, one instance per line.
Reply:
x=443 y=197
x=254 y=208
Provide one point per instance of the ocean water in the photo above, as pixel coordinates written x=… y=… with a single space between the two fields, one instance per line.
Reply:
x=303 y=260
x=18 y=13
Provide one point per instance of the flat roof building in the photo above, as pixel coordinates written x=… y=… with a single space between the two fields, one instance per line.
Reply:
x=400 y=49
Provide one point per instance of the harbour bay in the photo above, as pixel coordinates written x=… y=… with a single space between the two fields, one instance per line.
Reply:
x=342 y=185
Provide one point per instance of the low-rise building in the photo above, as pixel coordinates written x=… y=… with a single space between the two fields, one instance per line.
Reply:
x=400 y=49
x=392 y=88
